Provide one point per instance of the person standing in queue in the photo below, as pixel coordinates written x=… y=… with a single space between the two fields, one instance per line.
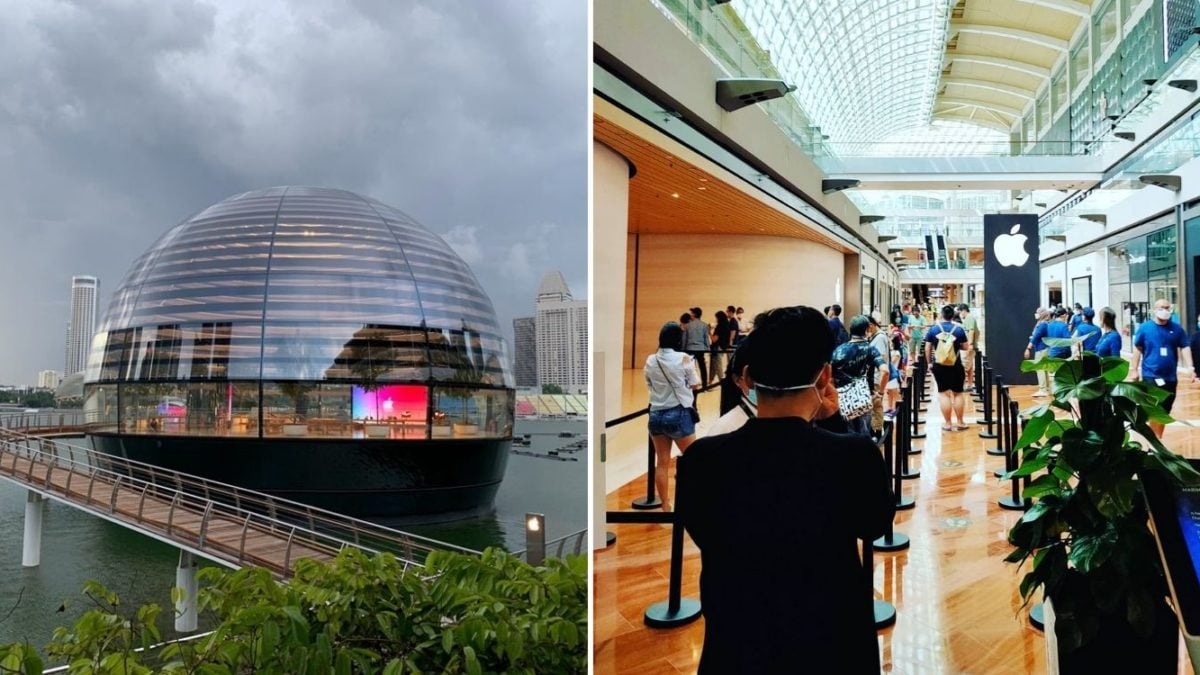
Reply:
x=970 y=326
x=807 y=603
x=945 y=345
x=1037 y=347
x=858 y=360
x=836 y=328
x=1157 y=349
x=697 y=341
x=671 y=379
x=1109 y=343
x=1088 y=330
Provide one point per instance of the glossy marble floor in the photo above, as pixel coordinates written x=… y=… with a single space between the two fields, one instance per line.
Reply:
x=958 y=609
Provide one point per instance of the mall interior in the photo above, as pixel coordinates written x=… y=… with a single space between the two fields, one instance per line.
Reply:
x=760 y=153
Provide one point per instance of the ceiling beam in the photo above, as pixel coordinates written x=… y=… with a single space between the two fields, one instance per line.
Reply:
x=986 y=123
x=1072 y=7
x=1039 y=39
x=1026 y=94
x=999 y=62
x=983 y=105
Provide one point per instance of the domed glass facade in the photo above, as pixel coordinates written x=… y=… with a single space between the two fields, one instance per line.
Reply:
x=300 y=311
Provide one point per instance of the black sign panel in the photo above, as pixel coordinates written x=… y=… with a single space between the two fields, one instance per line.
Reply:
x=1011 y=274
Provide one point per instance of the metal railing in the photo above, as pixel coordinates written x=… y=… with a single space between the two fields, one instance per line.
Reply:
x=215 y=519
x=44 y=421
x=568 y=544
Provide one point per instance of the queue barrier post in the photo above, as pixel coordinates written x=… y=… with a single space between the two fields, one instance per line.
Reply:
x=988 y=404
x=976 y=383
x=893 y=450
x=650 y=501
x=1013 y=501
x=676 y=610
x=885 y=612
x=999 y=405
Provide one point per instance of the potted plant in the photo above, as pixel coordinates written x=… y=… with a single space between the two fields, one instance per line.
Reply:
x=1086 y=538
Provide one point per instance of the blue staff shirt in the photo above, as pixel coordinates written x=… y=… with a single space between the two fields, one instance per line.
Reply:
x=1159 y=346
x=1058 y=329
x=1109 y=344
x=1090 y=333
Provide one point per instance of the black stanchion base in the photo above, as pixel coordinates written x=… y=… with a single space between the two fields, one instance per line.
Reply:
x=1008 y=503
x=918 y=435
x=642 y=505
x=1037 y=616
x=898 y=542
x=659 y=615
x=911 y=474
x=885 y=614
x=984 y=422
x=988 y=435
x=915 y=451
x=610 y=538
x=999 y=473
x=996 y=452
x=905 y=503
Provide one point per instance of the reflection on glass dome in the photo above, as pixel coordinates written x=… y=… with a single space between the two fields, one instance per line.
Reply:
x=328 y=300
x=299 y=313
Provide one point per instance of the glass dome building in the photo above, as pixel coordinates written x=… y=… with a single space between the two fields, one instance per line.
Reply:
x=311 y=343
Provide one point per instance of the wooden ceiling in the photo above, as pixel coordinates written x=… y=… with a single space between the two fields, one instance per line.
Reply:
x=670 y=195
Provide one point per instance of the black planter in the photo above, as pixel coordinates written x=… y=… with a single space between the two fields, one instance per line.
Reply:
x=1117 y=649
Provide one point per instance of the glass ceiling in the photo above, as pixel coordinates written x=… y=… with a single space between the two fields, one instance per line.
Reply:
x=865 y=70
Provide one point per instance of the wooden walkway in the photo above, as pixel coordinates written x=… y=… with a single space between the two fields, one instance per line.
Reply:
x=223 y=523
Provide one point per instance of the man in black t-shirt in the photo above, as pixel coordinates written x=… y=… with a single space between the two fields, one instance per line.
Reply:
x=807 y=601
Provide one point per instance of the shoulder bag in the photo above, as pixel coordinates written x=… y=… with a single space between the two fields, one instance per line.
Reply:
x=854 y=398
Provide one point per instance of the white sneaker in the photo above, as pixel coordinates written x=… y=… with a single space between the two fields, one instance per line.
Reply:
x=1040 y=393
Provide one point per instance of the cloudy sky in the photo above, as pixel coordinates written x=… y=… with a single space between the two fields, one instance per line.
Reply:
x=119 y=118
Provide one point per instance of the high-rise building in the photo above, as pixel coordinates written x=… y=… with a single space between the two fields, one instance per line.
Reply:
x=47 y=379
x=562 y=336
x=85 y=292
x=525 y=333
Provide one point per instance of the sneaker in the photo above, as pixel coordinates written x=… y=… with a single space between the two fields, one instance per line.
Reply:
x=1041 y=393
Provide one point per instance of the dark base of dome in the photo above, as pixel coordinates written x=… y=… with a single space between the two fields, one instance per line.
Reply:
x=440 y=480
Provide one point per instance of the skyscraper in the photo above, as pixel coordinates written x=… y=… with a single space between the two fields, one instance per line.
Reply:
x=525 y=332
x=562 y=336
x=81 y=324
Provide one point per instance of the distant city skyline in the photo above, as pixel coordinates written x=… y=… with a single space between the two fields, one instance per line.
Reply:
x=468 y=116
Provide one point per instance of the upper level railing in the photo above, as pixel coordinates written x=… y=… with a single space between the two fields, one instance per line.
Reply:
x=42 y=420
x=82 y=476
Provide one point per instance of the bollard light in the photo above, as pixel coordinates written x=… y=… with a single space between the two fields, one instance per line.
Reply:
x=535 y=538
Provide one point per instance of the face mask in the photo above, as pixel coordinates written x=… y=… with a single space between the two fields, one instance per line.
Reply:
x=753 y=395
x=1162 y=314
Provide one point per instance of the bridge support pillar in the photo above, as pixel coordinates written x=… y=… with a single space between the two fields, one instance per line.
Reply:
x=31 y=553
x=185 y=603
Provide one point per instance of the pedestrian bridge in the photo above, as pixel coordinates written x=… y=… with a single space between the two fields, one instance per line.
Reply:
x=224 y=523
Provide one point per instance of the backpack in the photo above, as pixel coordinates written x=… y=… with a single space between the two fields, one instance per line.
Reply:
x=946 y=353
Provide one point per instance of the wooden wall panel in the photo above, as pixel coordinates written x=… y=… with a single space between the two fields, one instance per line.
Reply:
x=711 y=271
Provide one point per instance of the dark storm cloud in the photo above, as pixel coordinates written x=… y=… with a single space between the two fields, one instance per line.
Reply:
x=119 y=119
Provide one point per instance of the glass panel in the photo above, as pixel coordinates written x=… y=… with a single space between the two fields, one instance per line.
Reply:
x=463 y=412
x=1043 y=112
x=333 y=412
x=1118 y=265
x=1059 y=95
x=1138 y=268
x=100 y=407
x=153 y=408
x=1080 y=62
x=395 y=411
x=240 y=409
x=1105 y=26
x=287 y=407
x=1118 y=300
x=1160 y=252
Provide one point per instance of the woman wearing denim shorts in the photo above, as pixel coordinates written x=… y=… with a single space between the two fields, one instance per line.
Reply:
x=671 y=378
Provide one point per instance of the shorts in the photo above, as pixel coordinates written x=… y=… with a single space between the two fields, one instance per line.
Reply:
x=1169 y=401
x=674 y=423
x=949 y=378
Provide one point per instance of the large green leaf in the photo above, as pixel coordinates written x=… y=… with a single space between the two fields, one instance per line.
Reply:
x=1091 y=551
x=1034 y=428
x=1042 y=362
x=1114 y=369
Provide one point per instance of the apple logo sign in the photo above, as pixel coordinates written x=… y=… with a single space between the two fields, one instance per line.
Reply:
x=1010 y=248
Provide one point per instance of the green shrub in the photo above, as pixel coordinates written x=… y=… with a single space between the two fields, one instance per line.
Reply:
x=359 y=614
